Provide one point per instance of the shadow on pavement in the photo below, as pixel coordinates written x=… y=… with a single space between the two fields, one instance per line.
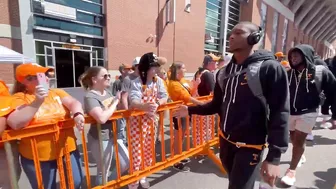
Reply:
x=320 y=140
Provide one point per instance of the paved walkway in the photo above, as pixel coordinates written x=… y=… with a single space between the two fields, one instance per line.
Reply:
x=319 y=172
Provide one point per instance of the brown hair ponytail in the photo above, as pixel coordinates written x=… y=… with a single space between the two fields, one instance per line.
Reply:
x=86 y=78
x=173 y=70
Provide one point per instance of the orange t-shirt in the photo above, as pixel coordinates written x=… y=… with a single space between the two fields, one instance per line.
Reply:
x=179 y=90
x=50 y=111
x=7 y=104
x=4 y=91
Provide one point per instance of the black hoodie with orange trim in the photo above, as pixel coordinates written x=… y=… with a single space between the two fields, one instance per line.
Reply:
x=304 y=97
x=243 y=116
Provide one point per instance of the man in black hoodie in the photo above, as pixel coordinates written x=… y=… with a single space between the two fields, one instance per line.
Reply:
x=245 y=123
x=305 y=95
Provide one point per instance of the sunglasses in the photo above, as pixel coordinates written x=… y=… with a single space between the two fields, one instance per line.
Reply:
x=107 y=76
x=31 y=77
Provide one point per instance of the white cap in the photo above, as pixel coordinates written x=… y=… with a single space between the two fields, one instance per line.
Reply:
x=136 y=61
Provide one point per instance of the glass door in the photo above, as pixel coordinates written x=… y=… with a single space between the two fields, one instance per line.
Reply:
x=50 y=62
x=81 y=64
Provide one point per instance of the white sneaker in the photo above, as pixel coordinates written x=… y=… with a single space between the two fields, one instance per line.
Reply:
x=302 y=160
x=133 y=186
x=144 y=183
x=310 y=137
x=289 y=178
x=326 y=125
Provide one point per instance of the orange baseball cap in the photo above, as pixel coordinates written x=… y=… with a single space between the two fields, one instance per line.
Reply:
x=214 y=57
x=285 y=63
x=279 y=54
x=6 y=105
x=24 y=70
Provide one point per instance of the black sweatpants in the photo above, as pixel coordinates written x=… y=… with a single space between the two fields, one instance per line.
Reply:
x=241 y=164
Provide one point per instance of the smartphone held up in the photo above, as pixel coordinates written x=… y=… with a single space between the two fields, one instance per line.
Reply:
x=43 y=80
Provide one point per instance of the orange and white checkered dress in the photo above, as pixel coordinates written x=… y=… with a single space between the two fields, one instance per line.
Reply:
x=143 y=124
x=205 y=125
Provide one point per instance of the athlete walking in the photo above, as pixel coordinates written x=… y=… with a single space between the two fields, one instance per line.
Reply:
x=247 y=122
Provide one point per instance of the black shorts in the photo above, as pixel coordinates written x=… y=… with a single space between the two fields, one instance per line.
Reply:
x=183 y=123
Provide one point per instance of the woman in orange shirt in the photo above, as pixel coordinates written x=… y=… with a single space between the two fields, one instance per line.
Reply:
x=43 y=106
x=179 y=89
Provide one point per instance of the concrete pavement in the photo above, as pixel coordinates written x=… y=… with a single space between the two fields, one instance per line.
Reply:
x=319 y=172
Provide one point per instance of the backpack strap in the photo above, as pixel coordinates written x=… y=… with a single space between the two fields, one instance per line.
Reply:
x=253 y=81
x=223 y=74
x=318 y=77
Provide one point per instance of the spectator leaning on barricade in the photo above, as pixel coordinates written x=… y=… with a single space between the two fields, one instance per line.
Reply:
x=120 y=85
x=179 y=89
x=7 y=105
x=252 y=110
x=307 y=82
x=205 y=88
x=126 y=84
x=45 y=106
x=100 y=104
x=125 y=70
x=147 y=93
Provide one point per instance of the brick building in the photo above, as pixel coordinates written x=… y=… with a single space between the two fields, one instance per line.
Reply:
x=72 y=35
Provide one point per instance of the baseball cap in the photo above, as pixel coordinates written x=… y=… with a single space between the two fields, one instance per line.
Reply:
x=279 y=54
x=32 y=69
x=285 y=63
x=136 y=61
x=6 y=105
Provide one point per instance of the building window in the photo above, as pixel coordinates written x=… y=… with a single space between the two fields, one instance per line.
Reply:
x=284 y=36
x=94 y=6
x=263 y=13
x=67 y=26
x=275 y=30
x=234 y=12
x=213 y=25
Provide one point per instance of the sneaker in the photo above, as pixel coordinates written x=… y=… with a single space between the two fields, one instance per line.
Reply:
x=185 y=161
x=326 y=125
x=289 y=178
x=133 y=186
x=144 y=183
x=181 y=167
x=310 y=137
x=302 y=160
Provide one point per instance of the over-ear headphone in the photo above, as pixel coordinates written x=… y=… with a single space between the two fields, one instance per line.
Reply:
x=255 y=37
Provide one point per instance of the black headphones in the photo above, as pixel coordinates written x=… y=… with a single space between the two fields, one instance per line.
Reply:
x=255 y=37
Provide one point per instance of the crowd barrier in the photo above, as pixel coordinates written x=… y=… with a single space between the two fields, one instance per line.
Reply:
x=192 y=147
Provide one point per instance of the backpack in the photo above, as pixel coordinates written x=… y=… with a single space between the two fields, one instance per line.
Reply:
x=253 y=81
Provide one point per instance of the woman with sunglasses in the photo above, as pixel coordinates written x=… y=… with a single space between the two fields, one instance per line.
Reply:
x=147 y=93
x=100 y=104
x=44 y=106
x=179 y=89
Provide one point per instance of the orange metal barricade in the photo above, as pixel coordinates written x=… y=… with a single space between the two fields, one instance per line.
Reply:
x=168 y=155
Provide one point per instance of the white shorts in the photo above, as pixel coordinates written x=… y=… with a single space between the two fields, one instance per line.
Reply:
x=304 y=123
